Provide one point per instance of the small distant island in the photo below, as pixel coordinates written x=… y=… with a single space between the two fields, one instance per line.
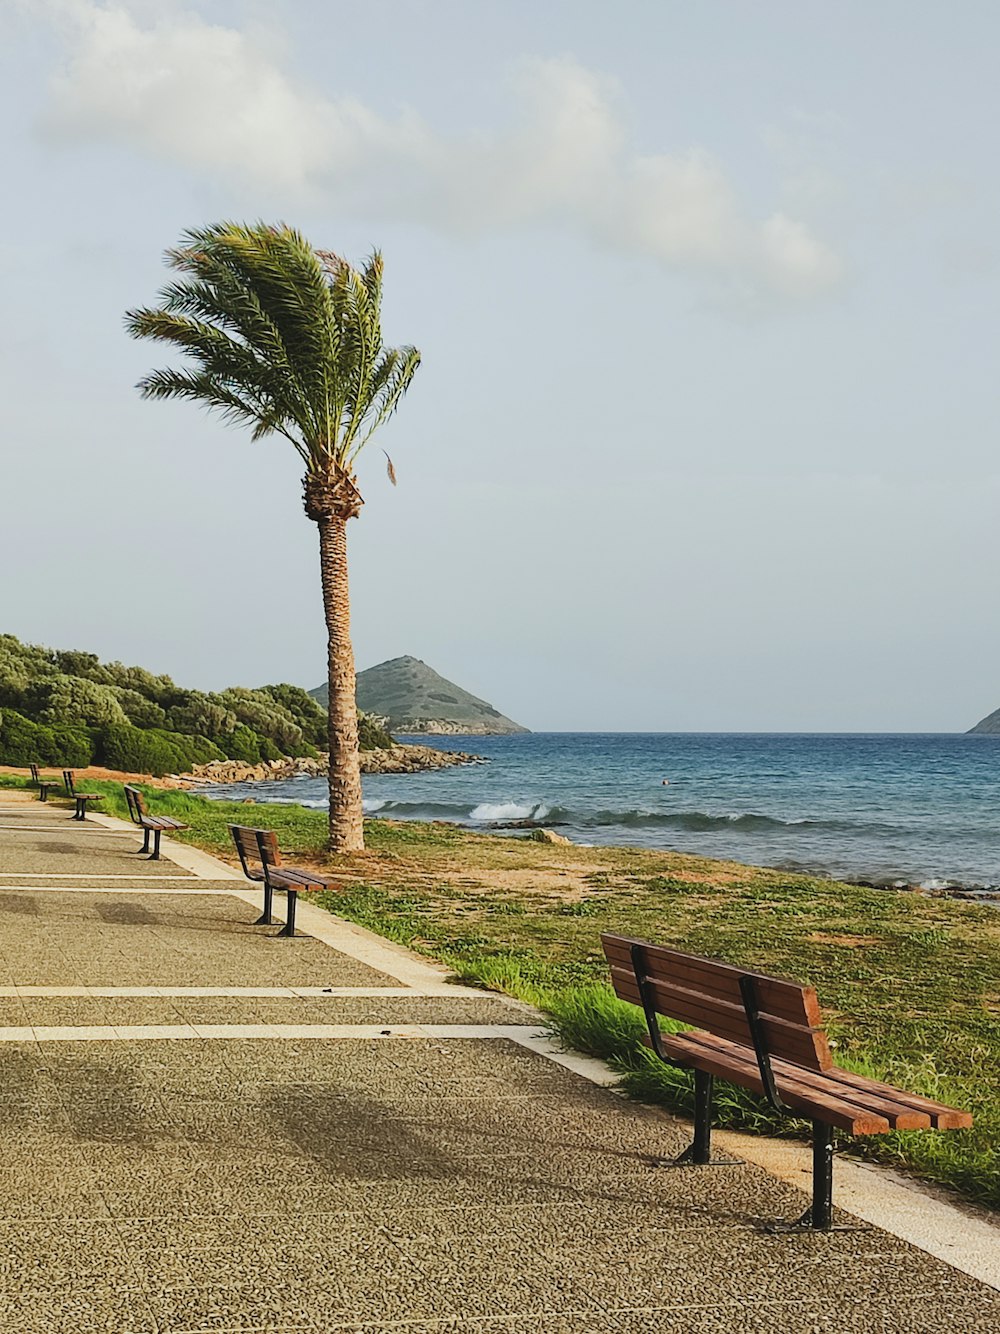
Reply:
x=407 y=696
x=988 y=726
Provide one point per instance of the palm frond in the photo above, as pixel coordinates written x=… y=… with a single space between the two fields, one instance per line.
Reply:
x=283 y=338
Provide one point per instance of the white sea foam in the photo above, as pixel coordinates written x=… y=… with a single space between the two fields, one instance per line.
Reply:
x=503 y=810
x=370 y=805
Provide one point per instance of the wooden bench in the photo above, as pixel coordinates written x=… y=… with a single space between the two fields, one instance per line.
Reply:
x=81 y=798
x=765 y=1034
x=149 y=824
x=44 y=785
x=261 y=861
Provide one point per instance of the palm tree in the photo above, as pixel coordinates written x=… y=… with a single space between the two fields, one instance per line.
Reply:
x=287 y=340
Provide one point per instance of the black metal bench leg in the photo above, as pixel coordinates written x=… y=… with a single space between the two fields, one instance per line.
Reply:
x=699 y=1151
x=81 y=810
x=701 y=1146
x=145 y=841
x=819 y=1216
x=43 y=793
x=156 y=846
x=289 y=928
x=265 y=919
x=821 y=1213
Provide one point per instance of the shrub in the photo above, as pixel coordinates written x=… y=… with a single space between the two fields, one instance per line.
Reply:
x=132 y=750
x=201 y=714
x=73 y=700
x=140 y=711
x=241 y=744
x=307 y=713
x=371 y=734
x=23 y=742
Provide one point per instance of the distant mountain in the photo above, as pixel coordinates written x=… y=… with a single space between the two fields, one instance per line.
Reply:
x=990 y=725
x=414 y=698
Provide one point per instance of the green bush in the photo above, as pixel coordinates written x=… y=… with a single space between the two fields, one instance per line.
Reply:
x=74 y=701
x=23 y=742
x=310 y=716
x=371 y=735
x=241 y=744
x=81 y=704
x=140 y=711
x=132 y=750
x=153 y=750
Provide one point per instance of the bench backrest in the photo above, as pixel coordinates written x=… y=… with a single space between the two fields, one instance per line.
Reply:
x=34 y=774
x=68 y=778
x=257 y=848
x=136 y=804
x=707 y=994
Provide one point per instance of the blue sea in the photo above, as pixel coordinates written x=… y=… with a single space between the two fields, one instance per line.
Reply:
x=909 y=809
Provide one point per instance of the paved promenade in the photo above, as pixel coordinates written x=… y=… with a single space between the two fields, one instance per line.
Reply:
x=205 y=1128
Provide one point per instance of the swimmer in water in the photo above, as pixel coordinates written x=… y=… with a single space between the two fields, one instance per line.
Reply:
x=665 y=783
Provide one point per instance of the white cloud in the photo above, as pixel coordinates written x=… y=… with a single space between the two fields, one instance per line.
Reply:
x=214 y=100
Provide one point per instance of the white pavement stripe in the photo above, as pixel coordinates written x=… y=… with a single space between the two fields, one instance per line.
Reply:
x=273 y=993
x=89 y=875
x=285 y=1032
x=120 y=889
x=78 y=827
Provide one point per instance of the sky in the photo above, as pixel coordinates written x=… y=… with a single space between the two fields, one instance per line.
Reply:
x=705 y=434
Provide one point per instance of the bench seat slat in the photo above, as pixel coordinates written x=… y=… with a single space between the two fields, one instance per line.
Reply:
x=777 y=996
x=903 y=1111
x=727 y=1061
x=942 y=1116
x=806 y=1046
x=297 y=878
x=894 y=1105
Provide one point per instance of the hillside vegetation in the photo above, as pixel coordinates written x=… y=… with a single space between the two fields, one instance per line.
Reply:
x=66 y=707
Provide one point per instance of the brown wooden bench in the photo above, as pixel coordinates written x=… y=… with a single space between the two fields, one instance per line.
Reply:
x=765 y=1034
x=261 y=861
x=44 y=785
x=81 y=798
x=149 y=824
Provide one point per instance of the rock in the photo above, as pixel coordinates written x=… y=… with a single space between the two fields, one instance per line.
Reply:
x=411 y=759
x=398 y=759
x=549 y=836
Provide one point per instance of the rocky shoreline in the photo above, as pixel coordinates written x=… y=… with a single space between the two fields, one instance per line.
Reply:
x=399 y=759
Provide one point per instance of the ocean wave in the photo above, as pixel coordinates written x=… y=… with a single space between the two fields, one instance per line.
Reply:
x=540 y=812
x=508 y=810
x=692 y=821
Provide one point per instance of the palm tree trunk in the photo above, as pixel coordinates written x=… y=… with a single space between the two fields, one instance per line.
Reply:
x=346 y=826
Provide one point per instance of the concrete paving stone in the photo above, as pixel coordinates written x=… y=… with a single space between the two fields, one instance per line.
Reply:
x=186 y=940
x=50 y=1012
x=388 y=1011
x=241 y=1253
x=61 y=1188
x=12 y=1012
x=898 y=1312
x=388 y=1292
x=48 y=855
x=97 y=1305
x=747 y=1268
x=46 y=1250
